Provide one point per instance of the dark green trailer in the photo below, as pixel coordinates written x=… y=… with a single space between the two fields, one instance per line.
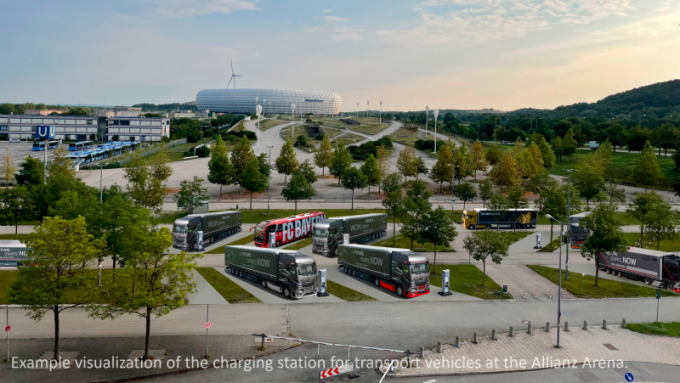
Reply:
x=12 y=253
x=328 y=234
x=399 y=270
x=285 y=271
x=213 y=225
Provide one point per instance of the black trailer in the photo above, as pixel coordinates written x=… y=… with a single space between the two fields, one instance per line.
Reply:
x=285 y=271
x=213 y=225
x=328 y=234
x=645 y=265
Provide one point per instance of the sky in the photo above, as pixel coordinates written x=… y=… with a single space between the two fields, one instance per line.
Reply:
x=460 y=54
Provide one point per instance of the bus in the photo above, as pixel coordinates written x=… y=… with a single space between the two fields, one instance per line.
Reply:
x=39 y=146
x=76 y=146
x=578 y=234
x=287 y=229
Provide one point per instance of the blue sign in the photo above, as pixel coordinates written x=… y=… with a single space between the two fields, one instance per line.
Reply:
x=629 y=377
x=45 y=131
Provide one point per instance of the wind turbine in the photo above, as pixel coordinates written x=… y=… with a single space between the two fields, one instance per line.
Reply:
x=233 y=76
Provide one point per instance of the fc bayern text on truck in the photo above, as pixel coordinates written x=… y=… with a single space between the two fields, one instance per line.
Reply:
x=287 y=229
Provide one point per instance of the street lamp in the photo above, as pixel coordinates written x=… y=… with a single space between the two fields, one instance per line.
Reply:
x=436 y=114
x=264 y=102
x=258 y=111
x=367 y=102
x=559 y=290
x=99 y=278
x=381 y=111
x=357 y=110
x=292 y=113
x=269 y=177
x=566 y=264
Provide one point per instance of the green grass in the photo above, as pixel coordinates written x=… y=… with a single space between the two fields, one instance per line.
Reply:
x=21 y=237
x=259 y=215
x=405 y=136
x=405 y=243
x=347 y=294
x=671 y=329
x=176 y=153
x=552 y=246
x=268 y=124
x=6 y=279
x=299 y=244
x=369 y=126
x=232 y=292
x=311 y=141
x=649 y=243
x=516 y=236
x=239 y=242
x=606 y=288
x=467 y=279
x=348 y=139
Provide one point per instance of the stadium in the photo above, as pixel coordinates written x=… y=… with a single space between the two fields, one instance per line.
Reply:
x=273 y=101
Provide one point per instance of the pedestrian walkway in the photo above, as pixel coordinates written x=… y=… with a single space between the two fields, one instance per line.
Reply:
x=204 y=294
x=523 y=283
x=578 y=348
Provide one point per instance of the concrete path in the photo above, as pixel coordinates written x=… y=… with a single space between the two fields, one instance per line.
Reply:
x=205 y=294
x=271 y=296
x=526 y=244
x=520 y=278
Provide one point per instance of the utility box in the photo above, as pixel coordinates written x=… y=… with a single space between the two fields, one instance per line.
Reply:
x=446 y=280
x=538 y=241
x=322 y=284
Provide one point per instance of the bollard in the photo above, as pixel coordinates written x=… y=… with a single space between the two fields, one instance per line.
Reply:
x=524 y=294
x=536 y=293
x=585 y=325
x=457 y=344
x=512 y=332
x=493 y=334
x=392 y=368
x=529 y=329
x=422 y=352
x=547 y=326
x=604 y=324
x=623 y=323
x=564 y=296
x=439 y=347
x=475 y=338
x=566 y=326
x=550 y=294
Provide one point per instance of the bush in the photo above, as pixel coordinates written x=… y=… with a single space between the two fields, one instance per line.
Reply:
x=319 y=136
x=193 y=137
x=428 y=144
x=234 y=136
x=309 y=120
x=301 y=141
x=165 y=139
x=203 y=151
x=363 y=151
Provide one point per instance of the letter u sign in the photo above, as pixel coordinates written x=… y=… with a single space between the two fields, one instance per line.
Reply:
x=45 y=131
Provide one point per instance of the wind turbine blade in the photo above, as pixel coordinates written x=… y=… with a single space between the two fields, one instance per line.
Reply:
x=232 y=66
x=229 y=83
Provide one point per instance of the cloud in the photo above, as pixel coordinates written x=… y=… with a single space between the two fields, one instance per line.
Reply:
x=327 y=11
x=495 y=20
x=335 y=19
x=185 y=8
x=346 y=34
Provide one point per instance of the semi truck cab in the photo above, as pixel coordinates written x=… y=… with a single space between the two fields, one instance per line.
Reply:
x=327 y=234
x=412 y=270
x=184 y=232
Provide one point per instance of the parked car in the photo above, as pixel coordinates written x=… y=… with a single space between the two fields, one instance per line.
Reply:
x=14 y=140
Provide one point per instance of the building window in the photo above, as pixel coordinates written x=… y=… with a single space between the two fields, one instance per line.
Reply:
x=125 y=122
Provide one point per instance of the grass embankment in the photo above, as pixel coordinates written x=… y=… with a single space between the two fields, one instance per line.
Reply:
x=552 y=246
x=649 y=243
x=312 y=142
x=268 y=124
x=346 y=294
x=405 y=243
x=516 y=236
x=671 y=329
x=21 y=237
x=405 y=136
x=259 y=215
x=227 y=288
x=299 y=244
x=606 y=288
x=239 y=242
x=369 y=125
x=176 y=153
x=467 y=279
x=348 y=139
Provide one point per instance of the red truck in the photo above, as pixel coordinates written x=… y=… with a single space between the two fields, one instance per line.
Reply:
x=287 y=229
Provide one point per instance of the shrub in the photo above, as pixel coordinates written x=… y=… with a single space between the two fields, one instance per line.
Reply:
x=319 y=136
x=363 y=151
x=301 y=141
x=203 y=151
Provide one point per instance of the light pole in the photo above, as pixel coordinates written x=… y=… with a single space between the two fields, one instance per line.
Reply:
x=292 y=113
x=269 y=189
x=436 y=114
x=258 y=111
x=367 y=103
x=559 y=289
x=381 y=111
x=427 y=116
x=566 y=263
x=357 y=110
x=453 y=181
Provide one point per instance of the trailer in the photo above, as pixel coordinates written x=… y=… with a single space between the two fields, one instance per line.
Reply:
x=285 y=271
x=213 y=225
x=328 y=234
x=12 y=253
x=649 y=266
x=399 y=270
x=480 y=218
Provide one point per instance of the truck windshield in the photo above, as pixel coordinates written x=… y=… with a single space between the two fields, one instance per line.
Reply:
x=420 y=268
x=260 y=231
x=322 y=233
x=306 y=270
x=180 y=229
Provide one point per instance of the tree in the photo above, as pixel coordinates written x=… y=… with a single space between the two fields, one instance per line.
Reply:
x=421 y=168
x=253 y=180
x=7 y=168
x=498 y=202
x=342 y=160
x=152 y=283
x=504 y=173
x=547 y=154
x=307 y=171
x=299 y=188
x=484 y=244
x=324 y=157
x=240 y=156
x=526 y=164
x=287 y=162
x=588 y=181
x=191 y=194
x=436 y=227
x=662 y=222
x=147 y=180
x=221 y=172
x=352 y=179
x=30 y=173
x=647 y=170
x=16 y=205
x=394 y=201
x=465 y=166
x=442 y=171
x=517 y=200
x=371 y=171
x=614 y=192
x=465 y=192
x=120 y=217
x=640 y=207
x=417 y=202
x=479 y=158
x=569 y=144
x=485 y=190
x=494 y=155
x=554 y=201
x=606 y=234
x=537 y=156
x=59 y=251
x=538 y=183
x=383 y=157
x=407 y=164
x=558 y=148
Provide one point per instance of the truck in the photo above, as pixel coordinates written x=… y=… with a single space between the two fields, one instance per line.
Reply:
x=593 y=145
x=328 y=234
x=578 y=235
x=480 y=218
x=12 y=253
x=286 y=229
x=399 y=270
x=285 y=271
x=213 y=225
x=649 y=266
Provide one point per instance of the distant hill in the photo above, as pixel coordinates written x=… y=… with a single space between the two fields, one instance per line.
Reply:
x=187 y=106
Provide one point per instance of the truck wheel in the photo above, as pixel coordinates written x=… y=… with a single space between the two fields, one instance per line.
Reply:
x=240 y=274
x=278 y=243
x=264 y=283
x=377 y=282
x=354 y=273
x=286 y=292
x=472 y=227
x=400 y=290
